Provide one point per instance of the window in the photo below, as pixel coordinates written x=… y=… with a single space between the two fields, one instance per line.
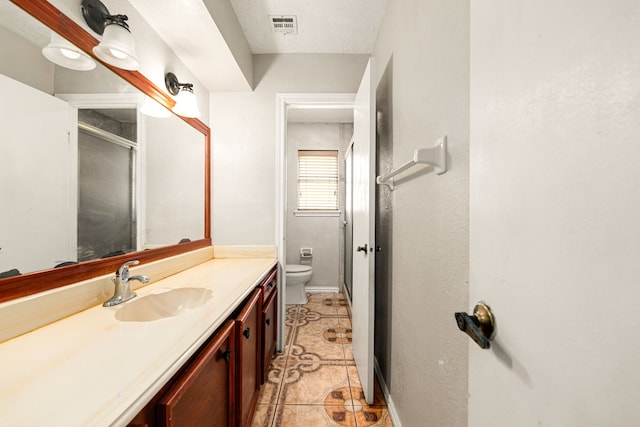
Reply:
x=318 y=180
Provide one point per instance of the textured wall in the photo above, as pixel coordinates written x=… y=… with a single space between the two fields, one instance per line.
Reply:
x=244 y=139
x=427 y=42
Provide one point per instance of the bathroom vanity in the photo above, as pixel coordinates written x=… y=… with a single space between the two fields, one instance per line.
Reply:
x=98 y=367
x=166 y=354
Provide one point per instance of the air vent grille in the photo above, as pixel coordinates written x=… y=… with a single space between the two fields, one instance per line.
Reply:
x=284 y=24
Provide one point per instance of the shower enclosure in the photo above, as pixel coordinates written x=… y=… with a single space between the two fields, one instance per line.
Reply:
x=348 y=223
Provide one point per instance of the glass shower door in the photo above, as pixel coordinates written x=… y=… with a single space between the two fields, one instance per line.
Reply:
x=348 y=223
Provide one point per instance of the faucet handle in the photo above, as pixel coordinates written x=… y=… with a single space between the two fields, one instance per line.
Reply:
x=123 y=271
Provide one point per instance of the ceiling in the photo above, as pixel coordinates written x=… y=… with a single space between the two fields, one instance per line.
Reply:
x=323 y=26
x=216 y=38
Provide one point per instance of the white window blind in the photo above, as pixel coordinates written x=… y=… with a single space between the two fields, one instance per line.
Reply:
x=317 y=180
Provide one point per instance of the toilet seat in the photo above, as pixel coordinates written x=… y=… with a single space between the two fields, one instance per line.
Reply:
x=296 y=268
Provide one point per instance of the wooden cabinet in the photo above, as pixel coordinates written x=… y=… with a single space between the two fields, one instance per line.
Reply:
x=203 y=394
x=248 y=336
x=269 y=322
x=219 y=385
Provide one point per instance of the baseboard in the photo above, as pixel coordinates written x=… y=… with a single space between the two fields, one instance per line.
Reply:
x=318 y=289
x=393 y=414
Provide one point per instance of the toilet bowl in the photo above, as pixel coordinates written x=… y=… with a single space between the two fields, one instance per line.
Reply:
x=297 y=277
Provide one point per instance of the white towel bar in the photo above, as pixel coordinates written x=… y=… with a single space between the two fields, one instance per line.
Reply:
x=435 y=157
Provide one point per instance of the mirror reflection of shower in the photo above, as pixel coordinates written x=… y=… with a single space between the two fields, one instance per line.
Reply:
x=107 y=151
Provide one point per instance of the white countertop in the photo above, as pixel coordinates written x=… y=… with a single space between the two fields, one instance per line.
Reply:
x=90 y=369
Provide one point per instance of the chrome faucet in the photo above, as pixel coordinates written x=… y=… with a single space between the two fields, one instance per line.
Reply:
x=123 y=289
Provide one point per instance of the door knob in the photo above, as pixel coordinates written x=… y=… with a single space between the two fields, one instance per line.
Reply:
x=364 y=248
x=481 y=326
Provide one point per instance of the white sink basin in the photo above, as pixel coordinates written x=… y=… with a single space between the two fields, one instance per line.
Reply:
x=162 y=305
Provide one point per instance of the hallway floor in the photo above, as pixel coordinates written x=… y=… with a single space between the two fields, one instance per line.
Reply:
x=314 y=382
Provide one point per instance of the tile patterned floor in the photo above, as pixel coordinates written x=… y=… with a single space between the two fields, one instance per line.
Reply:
x=314 y=381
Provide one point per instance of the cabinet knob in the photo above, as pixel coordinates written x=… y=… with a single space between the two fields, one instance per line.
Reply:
x=227 y=355
x=268 y=321
x=247 y=333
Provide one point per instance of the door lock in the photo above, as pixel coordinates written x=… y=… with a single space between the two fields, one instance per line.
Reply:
x=364 y=248
x=481 y=326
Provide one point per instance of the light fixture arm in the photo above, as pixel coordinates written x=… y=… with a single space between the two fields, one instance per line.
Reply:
x=119 y=20
x=174 y=86
x=186 y=103
x=98 y=17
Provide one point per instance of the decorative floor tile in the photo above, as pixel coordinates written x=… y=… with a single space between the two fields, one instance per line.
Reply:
x=263 y=416
x=323 y=337
x=270 y=390
x=323 y=304
x=348 y=354
x=345 y=322
x=310 y=384
x=314 y=382
x=313 y=416
x=356 y=388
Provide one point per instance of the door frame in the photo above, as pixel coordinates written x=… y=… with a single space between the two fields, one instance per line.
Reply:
x=283 y=102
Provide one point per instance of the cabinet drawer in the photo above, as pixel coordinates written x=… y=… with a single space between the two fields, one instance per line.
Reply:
x=203 y=394
x=269 y=284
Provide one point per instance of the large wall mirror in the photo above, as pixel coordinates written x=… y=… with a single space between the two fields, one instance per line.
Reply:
x=88 y=181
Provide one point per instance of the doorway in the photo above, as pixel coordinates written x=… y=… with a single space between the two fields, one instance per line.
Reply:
x=286 y=104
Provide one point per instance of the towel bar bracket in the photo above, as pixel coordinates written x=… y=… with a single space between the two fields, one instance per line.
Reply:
x=435 y=156
x=388 y=183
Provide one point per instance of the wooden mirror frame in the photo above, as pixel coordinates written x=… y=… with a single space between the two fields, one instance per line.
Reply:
x=31 y=283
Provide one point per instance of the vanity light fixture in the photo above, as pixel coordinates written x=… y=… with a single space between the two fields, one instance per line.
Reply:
x=152 y=108
x=61 y=52
x=117 y=47
x=186 y=102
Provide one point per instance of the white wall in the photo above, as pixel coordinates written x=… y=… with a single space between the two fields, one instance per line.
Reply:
x=244 y=139
x=23 y=61
x=320 y=233
x=428 y=44
x=174 y=181
x=555 y=211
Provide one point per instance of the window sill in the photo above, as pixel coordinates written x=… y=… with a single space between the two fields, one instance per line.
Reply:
x=317 y=213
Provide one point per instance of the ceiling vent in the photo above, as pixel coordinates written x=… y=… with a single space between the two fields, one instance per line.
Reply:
x=286 y=24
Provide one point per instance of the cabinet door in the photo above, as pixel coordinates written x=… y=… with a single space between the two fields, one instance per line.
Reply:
x=248 y=348
x=203 y=394
x=269 y=333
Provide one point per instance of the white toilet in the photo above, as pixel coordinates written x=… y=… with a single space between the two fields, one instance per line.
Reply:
x=297 y=277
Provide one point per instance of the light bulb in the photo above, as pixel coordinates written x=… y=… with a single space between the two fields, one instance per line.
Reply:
x=71 y=54
x=118 y=54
